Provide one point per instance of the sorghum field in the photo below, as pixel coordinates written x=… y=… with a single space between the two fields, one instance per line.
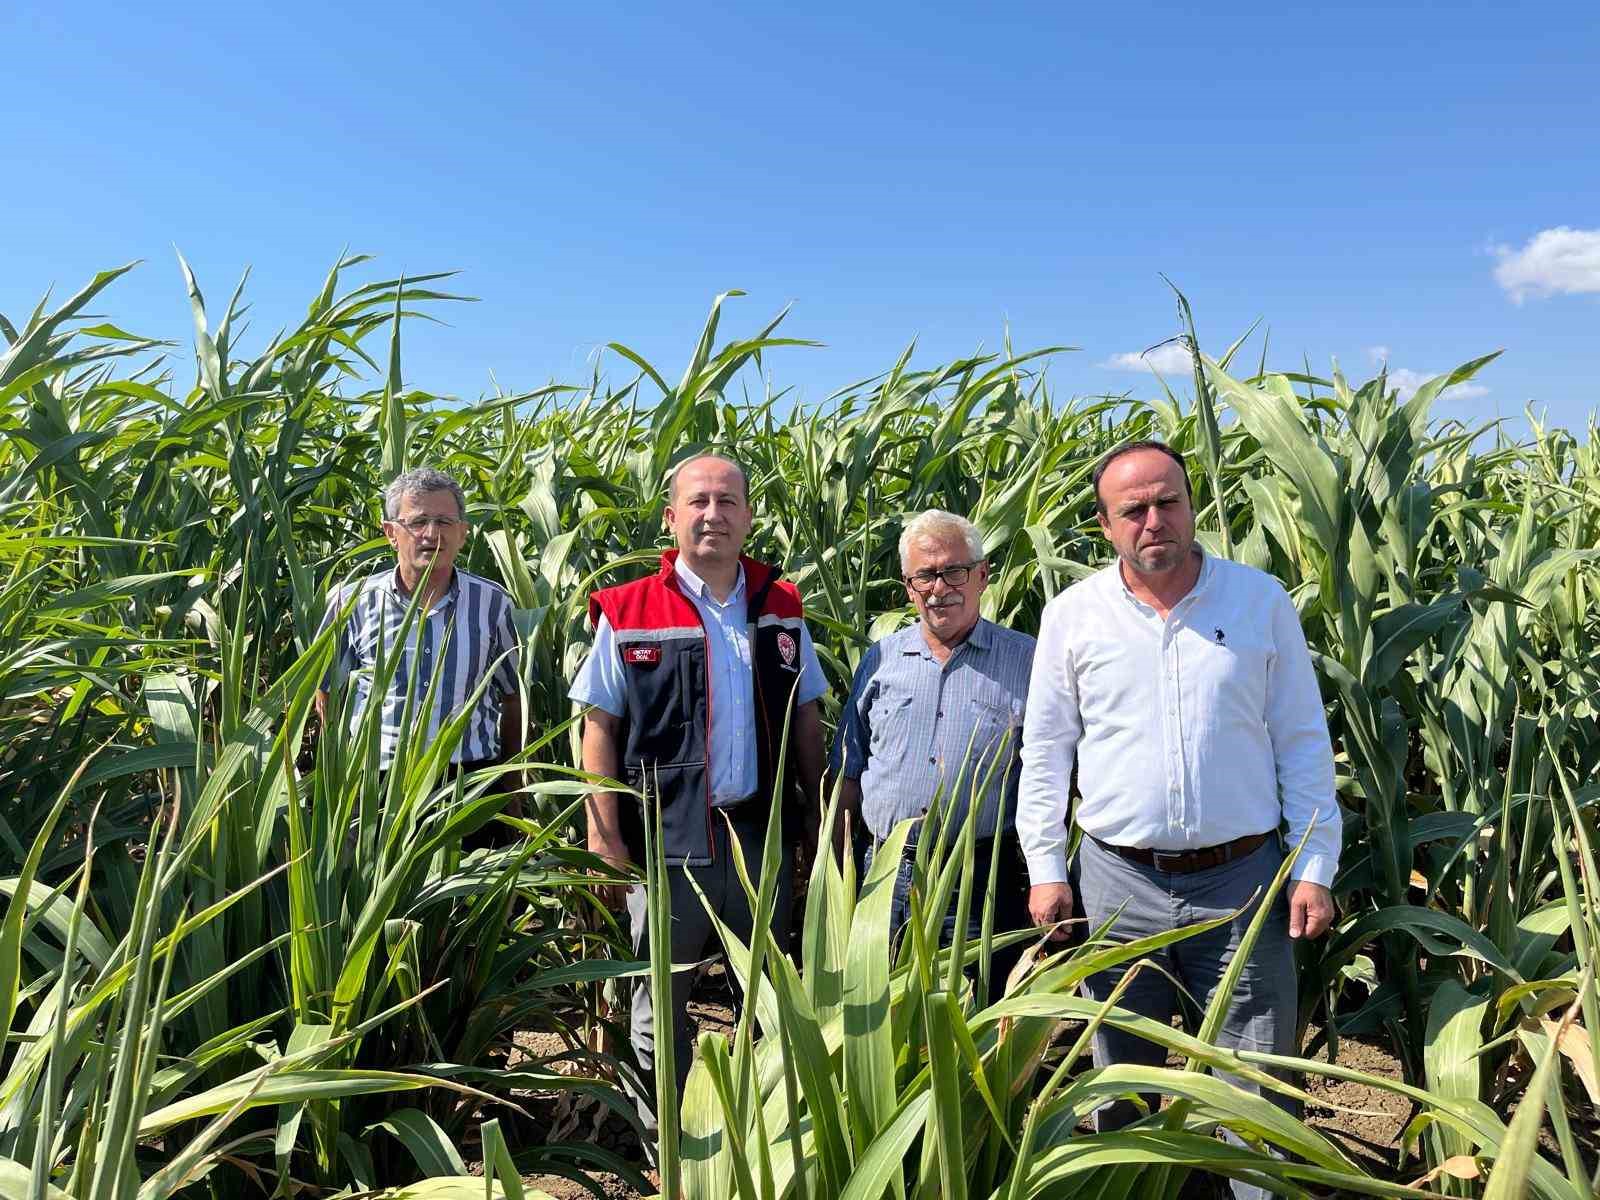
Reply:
x=209 y=989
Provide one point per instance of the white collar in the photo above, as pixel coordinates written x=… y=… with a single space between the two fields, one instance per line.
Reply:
x=699 y=586
x=1200 y=580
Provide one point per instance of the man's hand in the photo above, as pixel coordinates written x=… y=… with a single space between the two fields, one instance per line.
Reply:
x=1049 y=903
x=615 y=852
x=805 y=739
x=602 y=735
x=513 y=736
x=513 y=782
x=1310 y=909
x=849 y=818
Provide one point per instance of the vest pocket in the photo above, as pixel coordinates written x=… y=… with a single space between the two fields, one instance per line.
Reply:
x=680 y=790
x=658 y=707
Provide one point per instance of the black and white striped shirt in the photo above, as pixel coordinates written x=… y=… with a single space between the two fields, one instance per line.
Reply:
x=466 y=634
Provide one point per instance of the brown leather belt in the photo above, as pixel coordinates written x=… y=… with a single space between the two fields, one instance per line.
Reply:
x=1183 y=862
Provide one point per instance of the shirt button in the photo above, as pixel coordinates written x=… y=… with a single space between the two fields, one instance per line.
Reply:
x=931 y=759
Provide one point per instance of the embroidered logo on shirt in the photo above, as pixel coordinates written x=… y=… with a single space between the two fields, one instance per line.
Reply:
x=787 y=647
x=1222 y=638
x=641 y=656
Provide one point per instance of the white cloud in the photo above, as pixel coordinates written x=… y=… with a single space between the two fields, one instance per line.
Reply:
x=1171 y=358
x=1555 y=261
x=1407 y=382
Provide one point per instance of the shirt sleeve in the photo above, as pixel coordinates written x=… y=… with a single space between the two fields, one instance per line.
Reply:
x=343 y=651
x=599 y=681
x=1301 y=749
x=506 y=641
x=813 y=684
x=855 y=725
x=1051 y=728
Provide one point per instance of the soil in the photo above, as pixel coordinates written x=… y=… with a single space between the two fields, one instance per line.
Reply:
x=1373 y=1140
x=1371 y=1136
x=710 y=1008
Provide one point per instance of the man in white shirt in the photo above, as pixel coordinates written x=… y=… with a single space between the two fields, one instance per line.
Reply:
x=1182 y=686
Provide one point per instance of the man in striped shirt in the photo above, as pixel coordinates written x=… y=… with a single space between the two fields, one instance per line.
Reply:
x=462 y=632
x=936 y=709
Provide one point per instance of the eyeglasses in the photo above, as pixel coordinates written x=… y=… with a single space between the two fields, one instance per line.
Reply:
x=953 y=576
x=418 y=524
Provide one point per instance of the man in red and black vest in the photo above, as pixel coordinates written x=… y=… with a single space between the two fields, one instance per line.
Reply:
x=694 y=672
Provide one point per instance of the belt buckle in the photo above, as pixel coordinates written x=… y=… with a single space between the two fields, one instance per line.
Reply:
x=1160 y=858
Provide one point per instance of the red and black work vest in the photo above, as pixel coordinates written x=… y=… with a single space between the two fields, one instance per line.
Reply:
x=666 y=718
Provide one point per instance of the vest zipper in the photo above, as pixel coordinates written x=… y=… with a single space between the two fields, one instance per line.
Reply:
x=705 y=643
x=711 y=831
x=770 y=783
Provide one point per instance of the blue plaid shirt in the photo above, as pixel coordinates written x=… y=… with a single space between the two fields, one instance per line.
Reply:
x=915 y=727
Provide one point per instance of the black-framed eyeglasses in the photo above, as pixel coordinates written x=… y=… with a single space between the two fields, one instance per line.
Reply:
x=418 y=524
x=954 y=576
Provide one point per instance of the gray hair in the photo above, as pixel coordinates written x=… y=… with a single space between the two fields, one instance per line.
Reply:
x=418 y=481
x=939 y=526
x=672 y=473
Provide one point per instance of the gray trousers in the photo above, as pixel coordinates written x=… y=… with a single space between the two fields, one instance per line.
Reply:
x=1011 y=903
x=695 y=938
x=1262 y=1015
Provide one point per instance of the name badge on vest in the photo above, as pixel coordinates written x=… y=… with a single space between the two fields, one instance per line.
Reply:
x=788 y=648
x=641 y=656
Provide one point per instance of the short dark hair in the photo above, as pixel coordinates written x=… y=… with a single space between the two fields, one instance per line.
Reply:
x=672 y=472
x=1112 y=455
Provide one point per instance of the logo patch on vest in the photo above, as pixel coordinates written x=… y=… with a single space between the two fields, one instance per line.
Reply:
x=641 y=656
x=787 y=647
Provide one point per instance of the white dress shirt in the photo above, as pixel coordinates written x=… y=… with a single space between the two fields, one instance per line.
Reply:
x=735 y=772
x=1188 y=732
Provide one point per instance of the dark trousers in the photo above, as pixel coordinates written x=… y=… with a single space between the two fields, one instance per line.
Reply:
x=694 y=938
x=492 y=834
x=1011 y=901
x=1262 y=1013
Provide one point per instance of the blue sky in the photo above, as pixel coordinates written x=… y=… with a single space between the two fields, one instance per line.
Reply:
x=1356 y=176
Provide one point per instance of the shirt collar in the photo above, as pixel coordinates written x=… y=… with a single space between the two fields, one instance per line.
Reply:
x=1200 y=581
x=391 y=580
x=699 y=587
x=979 y=638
